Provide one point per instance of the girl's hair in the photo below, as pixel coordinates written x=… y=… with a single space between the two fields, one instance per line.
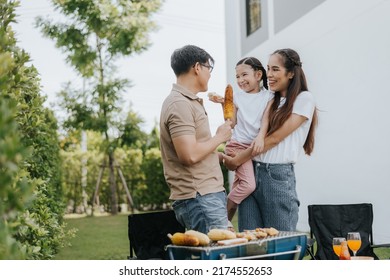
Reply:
x=298 y=84
x=257 y=66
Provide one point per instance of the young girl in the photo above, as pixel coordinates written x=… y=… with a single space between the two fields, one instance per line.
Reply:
x=250 y=123
x=292 y=123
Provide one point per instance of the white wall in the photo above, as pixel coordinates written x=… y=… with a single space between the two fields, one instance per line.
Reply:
x=345 y=50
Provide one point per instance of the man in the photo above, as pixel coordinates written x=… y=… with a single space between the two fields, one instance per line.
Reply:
x=189 y=155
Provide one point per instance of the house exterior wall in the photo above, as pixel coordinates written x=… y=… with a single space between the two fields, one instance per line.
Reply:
x=344 y=47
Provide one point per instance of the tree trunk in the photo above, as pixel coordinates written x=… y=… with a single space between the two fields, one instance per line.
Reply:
x=114 y=199
x=95 y=198
x=129 y=198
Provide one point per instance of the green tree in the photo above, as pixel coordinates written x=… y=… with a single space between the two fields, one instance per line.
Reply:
x=30 y=198
x=14 y=192
x=157 y=190
x=130 y=162
x=72 y=158
x=154 y=138
x=96 y=33
x=132 y=135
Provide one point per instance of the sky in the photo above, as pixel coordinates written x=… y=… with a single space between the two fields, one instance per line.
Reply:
x=180 y=22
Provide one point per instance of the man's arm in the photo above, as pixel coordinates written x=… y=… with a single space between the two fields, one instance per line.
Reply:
x=190 y=151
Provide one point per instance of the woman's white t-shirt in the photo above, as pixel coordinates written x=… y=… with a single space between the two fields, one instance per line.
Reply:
x=288 y=150
x=250 y=110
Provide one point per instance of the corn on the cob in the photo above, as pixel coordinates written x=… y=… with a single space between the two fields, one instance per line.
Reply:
x=183 y=239
x=228 y=106
x=203 y=238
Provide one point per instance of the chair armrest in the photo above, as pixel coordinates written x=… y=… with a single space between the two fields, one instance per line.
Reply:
x=310 y=247
x=310 y=242
x=381 y=245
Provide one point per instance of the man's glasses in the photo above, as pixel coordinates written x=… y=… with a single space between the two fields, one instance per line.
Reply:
x=208 y=67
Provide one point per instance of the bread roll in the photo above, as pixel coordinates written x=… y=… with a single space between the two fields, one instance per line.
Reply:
x=221 y=234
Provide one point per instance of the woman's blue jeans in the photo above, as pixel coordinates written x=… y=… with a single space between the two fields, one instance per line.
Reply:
x=274 y=203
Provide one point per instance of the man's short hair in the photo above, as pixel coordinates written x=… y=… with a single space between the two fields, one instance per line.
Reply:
x=186 y=57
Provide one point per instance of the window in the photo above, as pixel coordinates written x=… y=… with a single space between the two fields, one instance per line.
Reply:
x=253 y=24
x=253 y=16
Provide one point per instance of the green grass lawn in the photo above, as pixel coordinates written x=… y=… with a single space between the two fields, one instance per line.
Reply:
x=97 y=238
x=105 y=238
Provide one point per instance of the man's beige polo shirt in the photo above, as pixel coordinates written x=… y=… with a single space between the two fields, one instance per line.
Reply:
x=183 y=113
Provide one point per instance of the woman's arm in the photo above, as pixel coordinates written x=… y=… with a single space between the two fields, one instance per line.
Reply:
x=292 y=123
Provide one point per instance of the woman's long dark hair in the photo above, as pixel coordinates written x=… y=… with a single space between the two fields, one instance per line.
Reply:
x=298 y=84
x=257 y=66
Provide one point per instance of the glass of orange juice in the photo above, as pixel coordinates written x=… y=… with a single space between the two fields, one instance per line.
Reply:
x=337 y=245
x=354 y=242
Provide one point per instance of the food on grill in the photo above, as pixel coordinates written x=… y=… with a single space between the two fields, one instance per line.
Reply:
x=271 y=231
x=247 y=235
x=220 y=234
x=228 y=106
x=203 y=238
x=183 y=239
x=232 y=241
x=258 y=233
x=287 y=245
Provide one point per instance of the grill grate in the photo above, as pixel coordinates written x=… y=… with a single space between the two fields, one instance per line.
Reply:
x=284 y=241
x=280 y=235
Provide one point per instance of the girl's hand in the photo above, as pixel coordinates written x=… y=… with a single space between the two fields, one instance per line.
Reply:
x=213 y=97
x=257 y=145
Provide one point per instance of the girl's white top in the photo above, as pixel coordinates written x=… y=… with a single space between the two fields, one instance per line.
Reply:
x=250 y=109
x=289 y=149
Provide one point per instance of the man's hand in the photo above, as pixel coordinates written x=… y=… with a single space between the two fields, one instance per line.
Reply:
x=224 y=132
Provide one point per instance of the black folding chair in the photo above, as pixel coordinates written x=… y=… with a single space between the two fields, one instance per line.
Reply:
x=336 y=220
x=147 y=234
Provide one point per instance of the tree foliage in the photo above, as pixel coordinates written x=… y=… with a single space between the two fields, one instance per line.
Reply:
x=157 y=192
x=15 y=192
x=94 y=34
x=31 y=208
x=132 y=136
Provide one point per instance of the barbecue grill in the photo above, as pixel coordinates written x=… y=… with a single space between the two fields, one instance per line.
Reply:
x=286 y=245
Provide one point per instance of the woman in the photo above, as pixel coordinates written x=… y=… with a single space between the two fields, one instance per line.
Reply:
x=292 y=122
